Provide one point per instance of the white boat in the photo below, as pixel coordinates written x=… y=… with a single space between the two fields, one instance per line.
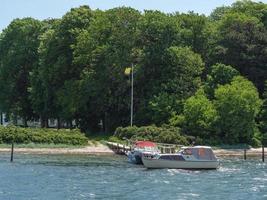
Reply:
x=140 y=147
x=197 y=157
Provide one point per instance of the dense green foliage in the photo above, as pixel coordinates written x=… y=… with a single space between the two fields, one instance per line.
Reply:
x=17 y=135
x=220 y=74
x=263 y=117
x=18 y=56
x=194 y=72
x=237 y=105
x=164 y=134
x=200 y=115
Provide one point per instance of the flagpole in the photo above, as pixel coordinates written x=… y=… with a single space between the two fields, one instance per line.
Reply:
x=132 y=97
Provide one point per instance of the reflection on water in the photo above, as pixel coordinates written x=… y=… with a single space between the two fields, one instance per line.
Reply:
x=58 y=177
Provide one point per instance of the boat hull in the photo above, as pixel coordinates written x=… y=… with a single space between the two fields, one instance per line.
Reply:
x=171 y=164
x=135 y=158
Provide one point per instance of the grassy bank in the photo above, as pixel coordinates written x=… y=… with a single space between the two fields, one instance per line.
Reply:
x=42 y=146
x=40 y=136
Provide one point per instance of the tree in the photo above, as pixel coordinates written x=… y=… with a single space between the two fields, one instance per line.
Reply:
x=18 y=57
x=219 y=12
x=180 y=78
x=263 y=115
x=157 y=32
x=163 y=107
x=105 y=50
x=242 y=43
x=194 y=32
x=220 y=75
x=251 y=8
x=200 y=116
x=56 y=71
x=237 y=104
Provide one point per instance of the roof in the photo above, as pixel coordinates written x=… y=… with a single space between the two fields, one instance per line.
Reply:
x=204 y=147
x=145 y=144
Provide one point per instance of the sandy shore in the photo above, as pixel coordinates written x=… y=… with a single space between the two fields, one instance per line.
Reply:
x=101 y=149
x=239 y=152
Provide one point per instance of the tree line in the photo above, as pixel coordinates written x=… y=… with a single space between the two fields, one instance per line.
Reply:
x=204 y=74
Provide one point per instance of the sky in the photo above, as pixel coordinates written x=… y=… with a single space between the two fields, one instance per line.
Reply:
x=43 y=9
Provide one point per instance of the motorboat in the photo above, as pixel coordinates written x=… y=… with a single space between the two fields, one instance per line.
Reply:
x=140 y=147
x=197 y=157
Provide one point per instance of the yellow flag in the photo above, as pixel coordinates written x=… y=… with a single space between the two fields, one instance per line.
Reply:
x=127 y=71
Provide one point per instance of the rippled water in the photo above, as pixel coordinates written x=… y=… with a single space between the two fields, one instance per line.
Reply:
x=61 y=177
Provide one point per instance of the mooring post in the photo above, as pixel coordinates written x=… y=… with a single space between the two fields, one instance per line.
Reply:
x=12 y=151
x=262 y=153
x=245 y=154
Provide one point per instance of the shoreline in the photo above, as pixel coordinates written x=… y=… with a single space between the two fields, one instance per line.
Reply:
x=88 y=150
x=101 y=149
x=252 y=152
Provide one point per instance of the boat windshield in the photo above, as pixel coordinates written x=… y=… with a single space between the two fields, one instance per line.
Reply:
x=199 y=153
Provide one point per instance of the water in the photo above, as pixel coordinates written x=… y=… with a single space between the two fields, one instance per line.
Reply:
x=69 y=177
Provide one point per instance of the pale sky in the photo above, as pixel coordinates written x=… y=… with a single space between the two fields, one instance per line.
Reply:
x=43 y=9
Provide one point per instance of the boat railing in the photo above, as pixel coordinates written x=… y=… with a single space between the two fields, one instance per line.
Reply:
x=169 y=148
x=124 y=148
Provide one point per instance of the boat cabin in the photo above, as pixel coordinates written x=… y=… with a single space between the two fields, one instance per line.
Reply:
x=199 y=152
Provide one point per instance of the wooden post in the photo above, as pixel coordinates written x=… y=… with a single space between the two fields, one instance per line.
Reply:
x=245 y=154
x=1 y=118
x=12 y=152
x=262 y=153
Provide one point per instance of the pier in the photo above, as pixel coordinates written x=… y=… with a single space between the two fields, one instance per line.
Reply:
x=123 y=149
x=119 y=148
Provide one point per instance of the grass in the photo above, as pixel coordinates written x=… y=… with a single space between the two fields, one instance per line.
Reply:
x=93 y=139
x=98 y=137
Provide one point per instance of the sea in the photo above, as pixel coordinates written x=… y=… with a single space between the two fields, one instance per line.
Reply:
x=83 y=177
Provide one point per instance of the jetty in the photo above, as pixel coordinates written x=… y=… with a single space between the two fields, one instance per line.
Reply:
x=119 y=148
x=122 y=149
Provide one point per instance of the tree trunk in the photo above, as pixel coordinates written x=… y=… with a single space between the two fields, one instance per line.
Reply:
x=44 y=122
x=77 y=123
x=58 y=123
x=1 y=118
x=15 y=120
x=70 y=124
x=25 y=124
x=105 y=123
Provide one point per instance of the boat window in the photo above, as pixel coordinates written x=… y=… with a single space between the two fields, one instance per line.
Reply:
x=204 y=154
x=187 y=152
x=171 y=157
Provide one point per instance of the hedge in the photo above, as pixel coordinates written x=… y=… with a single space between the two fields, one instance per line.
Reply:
x=41 y=136
x=164 y=134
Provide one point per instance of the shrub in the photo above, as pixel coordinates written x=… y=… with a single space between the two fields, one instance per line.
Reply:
x=164 y=134
x=41 y=136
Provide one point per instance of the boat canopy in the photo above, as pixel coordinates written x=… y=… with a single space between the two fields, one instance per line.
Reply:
x=142 y=144
x=199 y=152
